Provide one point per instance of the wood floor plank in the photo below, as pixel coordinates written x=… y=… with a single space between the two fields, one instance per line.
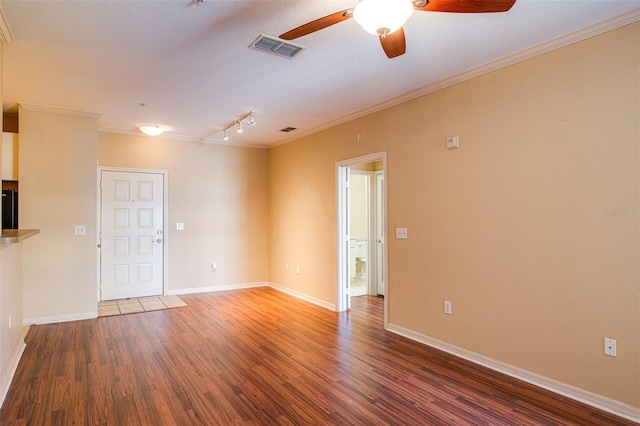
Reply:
x=256 y=357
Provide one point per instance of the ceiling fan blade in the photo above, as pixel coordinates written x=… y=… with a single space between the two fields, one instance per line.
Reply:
x=394 y=44
x=318 y=24
x=467 y=6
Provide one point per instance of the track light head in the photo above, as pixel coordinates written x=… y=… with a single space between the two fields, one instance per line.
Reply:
x=239 y=129
x=225 y=136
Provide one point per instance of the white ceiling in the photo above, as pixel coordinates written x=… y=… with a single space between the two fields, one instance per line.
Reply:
x=192 y=68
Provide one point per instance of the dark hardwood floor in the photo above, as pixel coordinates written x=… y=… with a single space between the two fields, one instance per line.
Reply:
x=258 y=356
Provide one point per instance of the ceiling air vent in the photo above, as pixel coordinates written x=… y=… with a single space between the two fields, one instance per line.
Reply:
x=275 y=46
x=288 y=129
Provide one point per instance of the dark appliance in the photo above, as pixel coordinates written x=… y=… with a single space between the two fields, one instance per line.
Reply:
x=9 y=209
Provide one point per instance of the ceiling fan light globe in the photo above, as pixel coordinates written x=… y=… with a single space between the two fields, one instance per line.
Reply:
x=382 y=17
x=150 y=129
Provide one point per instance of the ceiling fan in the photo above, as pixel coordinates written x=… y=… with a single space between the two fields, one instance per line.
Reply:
x=385 y=18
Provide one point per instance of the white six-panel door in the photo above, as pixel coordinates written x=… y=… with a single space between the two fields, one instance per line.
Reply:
x=131 y=234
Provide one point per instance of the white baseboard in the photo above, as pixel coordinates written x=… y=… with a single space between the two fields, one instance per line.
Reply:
x=209 y=289
x=598 y=401
x=304 y=297
x=60 y=318
x=11 y=371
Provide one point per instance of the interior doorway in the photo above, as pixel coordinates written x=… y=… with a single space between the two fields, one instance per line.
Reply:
x=361 y=198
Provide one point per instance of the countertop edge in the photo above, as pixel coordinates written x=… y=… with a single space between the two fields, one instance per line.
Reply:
x=12 y=236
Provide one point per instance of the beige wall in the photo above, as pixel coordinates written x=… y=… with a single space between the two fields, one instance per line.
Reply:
x=11 y=291
x=11 y=342
x=219 y=192
x=57 y=192
x=531 y=228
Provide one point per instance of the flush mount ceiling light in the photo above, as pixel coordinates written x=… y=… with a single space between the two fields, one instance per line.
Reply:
x=151 y=129
x=382 y=17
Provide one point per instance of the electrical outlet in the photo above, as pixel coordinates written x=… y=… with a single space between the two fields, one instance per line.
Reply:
x=448 y=309
x=80 y=230
x=610 y=347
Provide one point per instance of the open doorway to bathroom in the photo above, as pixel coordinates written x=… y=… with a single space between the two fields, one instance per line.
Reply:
x=366 y=226
x=362 y=260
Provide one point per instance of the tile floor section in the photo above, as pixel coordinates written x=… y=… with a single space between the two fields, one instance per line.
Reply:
x=143 y=304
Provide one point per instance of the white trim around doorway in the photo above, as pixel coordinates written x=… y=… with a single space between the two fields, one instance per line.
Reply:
x=342 y=171
x=165 y=207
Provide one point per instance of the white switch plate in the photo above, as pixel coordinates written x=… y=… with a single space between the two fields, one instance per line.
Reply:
x=448 y=307
x=453 y=142
x=180 y=226
x=402 y=233
x=80 y=230
x=610 y=347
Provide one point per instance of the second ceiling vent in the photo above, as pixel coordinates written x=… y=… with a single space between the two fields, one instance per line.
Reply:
x=276 y=46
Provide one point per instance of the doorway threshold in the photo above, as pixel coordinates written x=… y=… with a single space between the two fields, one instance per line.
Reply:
x=141 y=304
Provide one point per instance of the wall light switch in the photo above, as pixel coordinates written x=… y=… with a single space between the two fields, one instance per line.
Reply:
x=180 y=226
x=453 y=142
x=402 y=233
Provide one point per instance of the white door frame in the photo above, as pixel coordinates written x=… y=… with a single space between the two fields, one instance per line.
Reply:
x=342 y=237
x=378 y=203
x=165 y=209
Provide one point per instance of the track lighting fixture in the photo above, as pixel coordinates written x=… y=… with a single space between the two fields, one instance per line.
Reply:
x=238 y=124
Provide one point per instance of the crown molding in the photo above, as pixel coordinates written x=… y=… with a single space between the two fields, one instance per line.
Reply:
x=56 y=110
x=171 y=136
x=6 y=36
x=523 y=55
